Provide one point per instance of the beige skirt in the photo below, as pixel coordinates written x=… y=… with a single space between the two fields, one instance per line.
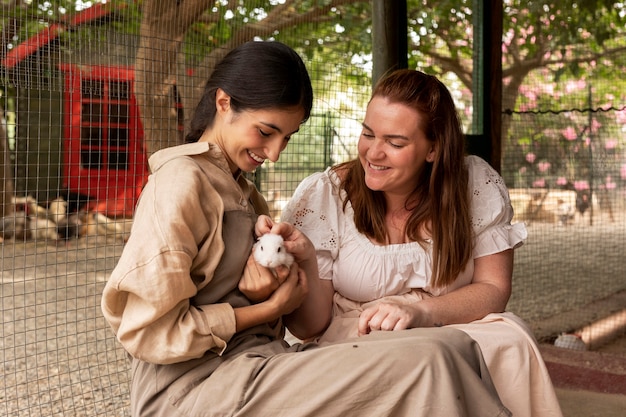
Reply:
x=508 y=346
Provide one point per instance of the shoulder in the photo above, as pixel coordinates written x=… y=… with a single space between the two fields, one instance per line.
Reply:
x=491 y=210
x=478 y=168
x=182 y=183
x=484 y=180
x=180 y=177
x=318 y=193
x=320 y=182
x=488 y=193
x=176 y=153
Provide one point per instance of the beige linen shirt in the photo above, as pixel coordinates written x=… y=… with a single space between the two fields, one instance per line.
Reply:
x=172 y=295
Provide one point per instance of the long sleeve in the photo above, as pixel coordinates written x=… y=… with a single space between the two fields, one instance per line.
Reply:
x=147 y=298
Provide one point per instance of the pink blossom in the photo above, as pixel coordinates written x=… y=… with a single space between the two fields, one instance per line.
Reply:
x=610 y=185
x=569 y=133
x=622 y=172
x=595 y=125
x=530 y=157
x=540 y=183
x=610 y=144
x=548 y=89
x=573 y=86
x=561 y=181
x=543 y=166
x=581 y=185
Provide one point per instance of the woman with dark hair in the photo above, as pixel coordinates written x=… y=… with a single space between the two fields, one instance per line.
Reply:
x=182 y=300
x=415 y=234
x=256 y=77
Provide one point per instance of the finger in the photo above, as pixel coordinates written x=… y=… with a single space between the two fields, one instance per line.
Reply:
x=251 y=261
x=400 y=325
x=281 y=273
x=263 y=225
x=389 y=323
x=374 y=324
x=283 y=228
x=364 y=320
x=292 y=276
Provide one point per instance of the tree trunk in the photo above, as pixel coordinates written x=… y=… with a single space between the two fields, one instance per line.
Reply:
x=163 y=26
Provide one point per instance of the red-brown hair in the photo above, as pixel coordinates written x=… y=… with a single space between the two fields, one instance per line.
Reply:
x=442 y=190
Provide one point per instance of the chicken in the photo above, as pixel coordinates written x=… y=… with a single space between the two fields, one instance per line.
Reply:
x=97 y=224
x=13 y=226
x=582 y=201
x=57 y=210
x=70 y=226
x=38 y=225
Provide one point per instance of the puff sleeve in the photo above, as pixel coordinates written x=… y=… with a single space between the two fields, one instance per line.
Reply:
x=316 y=210
x=491 y=211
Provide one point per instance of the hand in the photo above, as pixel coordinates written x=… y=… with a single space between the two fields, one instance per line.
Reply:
x=387 y=316
x=296 y=242
x=258 y=282
x=263 y=225
x=291 y=293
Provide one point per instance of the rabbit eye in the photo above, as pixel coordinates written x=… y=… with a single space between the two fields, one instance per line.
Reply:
x=278 y=249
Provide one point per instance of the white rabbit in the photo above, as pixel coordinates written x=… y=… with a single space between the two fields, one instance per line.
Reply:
x=270 y=251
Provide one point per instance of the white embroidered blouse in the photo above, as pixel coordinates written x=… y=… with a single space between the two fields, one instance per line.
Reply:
x=364 y=271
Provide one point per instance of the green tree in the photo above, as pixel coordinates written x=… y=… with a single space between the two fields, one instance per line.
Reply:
x=536 y=35
x=167 y=28
x=181 y=41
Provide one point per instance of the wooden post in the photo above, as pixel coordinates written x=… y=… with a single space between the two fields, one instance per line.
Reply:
x=389 y=36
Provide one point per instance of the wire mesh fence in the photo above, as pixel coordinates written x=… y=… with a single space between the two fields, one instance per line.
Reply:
x=568 y=184
x=76 y=88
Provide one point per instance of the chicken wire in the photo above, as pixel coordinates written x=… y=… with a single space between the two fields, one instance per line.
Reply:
x=60 y=357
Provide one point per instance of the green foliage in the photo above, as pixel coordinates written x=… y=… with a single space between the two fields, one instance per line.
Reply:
x=547 y=47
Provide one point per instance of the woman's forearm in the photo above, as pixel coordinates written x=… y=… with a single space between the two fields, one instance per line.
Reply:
x=255 y=314
x=463 y=305
x=313 y=316
x=489 y=292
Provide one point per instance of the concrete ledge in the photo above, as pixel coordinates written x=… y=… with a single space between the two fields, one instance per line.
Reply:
x=567 y=322
x=585 y=370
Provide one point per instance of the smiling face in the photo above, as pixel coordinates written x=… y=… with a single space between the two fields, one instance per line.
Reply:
x=393 y=148
x=249 y=137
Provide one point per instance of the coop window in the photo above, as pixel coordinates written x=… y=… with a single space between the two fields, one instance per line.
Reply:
x=104 y=124
x=103 y=148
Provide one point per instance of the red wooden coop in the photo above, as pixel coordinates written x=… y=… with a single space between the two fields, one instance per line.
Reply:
x=103 y=153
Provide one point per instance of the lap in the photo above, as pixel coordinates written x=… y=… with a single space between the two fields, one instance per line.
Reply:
x=432 y=372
